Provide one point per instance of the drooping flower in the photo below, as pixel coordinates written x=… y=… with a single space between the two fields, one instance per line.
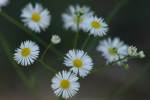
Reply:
x=27 y=53
x=95 y=26
x=79 y=62
x=36 y=18
x=75 y=17
x=65 y=84
x=55 y=39
x=113 y=49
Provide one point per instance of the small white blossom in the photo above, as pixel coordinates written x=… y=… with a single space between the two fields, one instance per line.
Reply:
x=141 y=54
x=132 y=51
x=55 y=39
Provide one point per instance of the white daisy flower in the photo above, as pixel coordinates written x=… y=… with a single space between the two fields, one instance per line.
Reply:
x=74 y=16
x=55 y=39
x=3 y=3
x=96 y=26
x=65 y=84
x=27 y=53
x=79 y=62
x=36 y=18
x=113 y=50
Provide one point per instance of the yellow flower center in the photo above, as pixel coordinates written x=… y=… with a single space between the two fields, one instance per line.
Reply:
x=78 y=63
x=36 y=17
x=25 y=52
x=96 y=24
x=65 y=84
x=113 y=51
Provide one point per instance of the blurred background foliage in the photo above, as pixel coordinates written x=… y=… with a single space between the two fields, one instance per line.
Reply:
x=131 y=23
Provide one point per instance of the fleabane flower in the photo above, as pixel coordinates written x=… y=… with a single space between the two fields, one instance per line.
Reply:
x=75 y=16
x=55 y=39
x=79 y=62
x=132 y=51
x=3 y=3
x=36 y=18
x=27 y=53
x=65 y=84
x=113 y=49
x=95 y=26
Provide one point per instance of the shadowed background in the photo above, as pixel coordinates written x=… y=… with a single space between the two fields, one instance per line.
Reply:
x=131 y=24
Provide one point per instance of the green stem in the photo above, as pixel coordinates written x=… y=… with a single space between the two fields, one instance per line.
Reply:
x=19 y=25
x=116 y=10
x=85 y=42
x=45 y=51
x=124 y=88
x=77 y=34
x=76 y=40
x=47 y=66
x=110 y=17
x=28 y=83
x=17 y=68
x=61 y=98
x=110 y=64
x=56 y=51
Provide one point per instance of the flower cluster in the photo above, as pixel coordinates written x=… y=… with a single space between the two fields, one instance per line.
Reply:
x=116 y=52
x=83 y=18
x=78 y=63
x=132 y=51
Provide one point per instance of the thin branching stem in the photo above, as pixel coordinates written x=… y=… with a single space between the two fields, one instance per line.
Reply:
x=17 y=68
x=85 y=42
x=19 y=25
x=124 y=88
x=50 y=68
x=45 y=51
x=77 y=33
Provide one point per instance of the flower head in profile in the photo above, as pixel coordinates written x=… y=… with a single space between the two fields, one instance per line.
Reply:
x=55 y=39
x=79 y=62
x=36 y=18
x=27 y=53
x=75 y=16
x=65 y=84
x=3 y=3
x=113 y=49
x=95 y=26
